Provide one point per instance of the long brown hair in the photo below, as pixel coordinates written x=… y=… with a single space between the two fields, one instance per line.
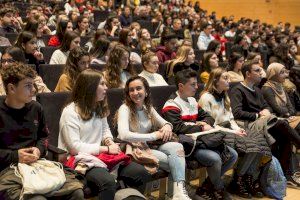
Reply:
x=84 y=95
x=71 y=68
x=113 y=69
x=211 y=85
x=133 y=118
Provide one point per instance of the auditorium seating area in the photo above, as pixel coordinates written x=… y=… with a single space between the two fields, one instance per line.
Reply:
x=202 y=42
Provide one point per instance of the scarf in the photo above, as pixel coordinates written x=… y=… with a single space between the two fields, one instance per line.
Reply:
x=280 y=95
x=273 y=70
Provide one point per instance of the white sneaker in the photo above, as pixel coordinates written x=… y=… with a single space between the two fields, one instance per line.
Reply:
x=179 y=192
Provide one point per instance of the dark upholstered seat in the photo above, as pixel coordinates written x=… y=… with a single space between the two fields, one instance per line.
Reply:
x=50 y=74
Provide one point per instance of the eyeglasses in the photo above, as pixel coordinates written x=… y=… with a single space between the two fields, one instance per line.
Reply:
x=257 y=70
x=7 y=60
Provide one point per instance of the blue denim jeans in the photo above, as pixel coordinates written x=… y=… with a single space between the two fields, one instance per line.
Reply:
x=171 y=158
x=214 y=166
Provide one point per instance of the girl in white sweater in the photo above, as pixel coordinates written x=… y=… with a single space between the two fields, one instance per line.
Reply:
x=70 y=41
x=215 y=101
x=83 y=128
x=138 y=121
x=151 y=64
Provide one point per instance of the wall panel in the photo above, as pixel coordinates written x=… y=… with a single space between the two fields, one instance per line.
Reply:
x=270 y=11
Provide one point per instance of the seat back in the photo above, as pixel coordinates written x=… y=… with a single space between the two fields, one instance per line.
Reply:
x=160 y=95
x=99 y=67
x=199 y=55
x=116 y=97
x=53 y=104
x=100 y=15
x=195 y=40
x=12 y=37
x=47 y=52
x=50 y=74
x=2 y=49
x=228 y=51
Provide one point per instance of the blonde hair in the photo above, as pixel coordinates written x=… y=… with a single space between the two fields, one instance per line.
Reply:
x=211 y=85
x=181 y=57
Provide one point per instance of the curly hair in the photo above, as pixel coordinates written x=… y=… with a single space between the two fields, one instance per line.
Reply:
x=84 y=95
x=133 y=118
x=71 y=68
x=112 y=68
x=16 y=73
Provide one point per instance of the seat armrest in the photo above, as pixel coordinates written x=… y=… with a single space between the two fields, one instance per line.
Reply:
x=55 y=149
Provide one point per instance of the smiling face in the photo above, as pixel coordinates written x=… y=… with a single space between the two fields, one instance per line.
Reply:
x=137 y=92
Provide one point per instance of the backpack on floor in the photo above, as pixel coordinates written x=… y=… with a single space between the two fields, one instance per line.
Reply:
x=273 y=181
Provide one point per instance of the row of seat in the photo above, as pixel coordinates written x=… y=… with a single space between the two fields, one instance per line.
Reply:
x=51 y=73
x=53 y=104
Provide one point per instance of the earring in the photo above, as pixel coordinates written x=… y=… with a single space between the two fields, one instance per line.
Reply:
x=146 y=95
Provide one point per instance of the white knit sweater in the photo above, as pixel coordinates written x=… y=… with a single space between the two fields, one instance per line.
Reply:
x=217 y=110
x=77 y=135
x=144 y=133
x=153 y=79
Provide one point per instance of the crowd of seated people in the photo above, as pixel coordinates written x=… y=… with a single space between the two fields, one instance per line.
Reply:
x=249 y=70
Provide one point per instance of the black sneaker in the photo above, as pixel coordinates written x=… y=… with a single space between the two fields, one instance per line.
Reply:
x=293 y=181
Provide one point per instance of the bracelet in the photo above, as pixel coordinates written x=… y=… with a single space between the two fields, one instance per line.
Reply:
x=107 y=149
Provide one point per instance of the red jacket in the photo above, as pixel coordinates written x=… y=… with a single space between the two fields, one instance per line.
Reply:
x=54 y=41
x=164 y=55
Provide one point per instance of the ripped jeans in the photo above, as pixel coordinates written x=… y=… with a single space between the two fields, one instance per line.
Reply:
x=171 y=158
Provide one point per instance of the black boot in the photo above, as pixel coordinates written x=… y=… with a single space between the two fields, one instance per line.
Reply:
x=222 y=195
x=205 y=191
x=239 y=187
x=253 y=187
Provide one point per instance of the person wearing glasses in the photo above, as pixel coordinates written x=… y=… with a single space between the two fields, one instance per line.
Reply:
x=205 y=36
x=210 y=61
x=10 y=56
x=250 y=108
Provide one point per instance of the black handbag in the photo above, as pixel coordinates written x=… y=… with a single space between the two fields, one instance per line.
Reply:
x=209 y=141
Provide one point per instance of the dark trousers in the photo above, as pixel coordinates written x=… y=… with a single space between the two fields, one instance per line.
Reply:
x=285 y=136
x=100 y=180
x=76 y=195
